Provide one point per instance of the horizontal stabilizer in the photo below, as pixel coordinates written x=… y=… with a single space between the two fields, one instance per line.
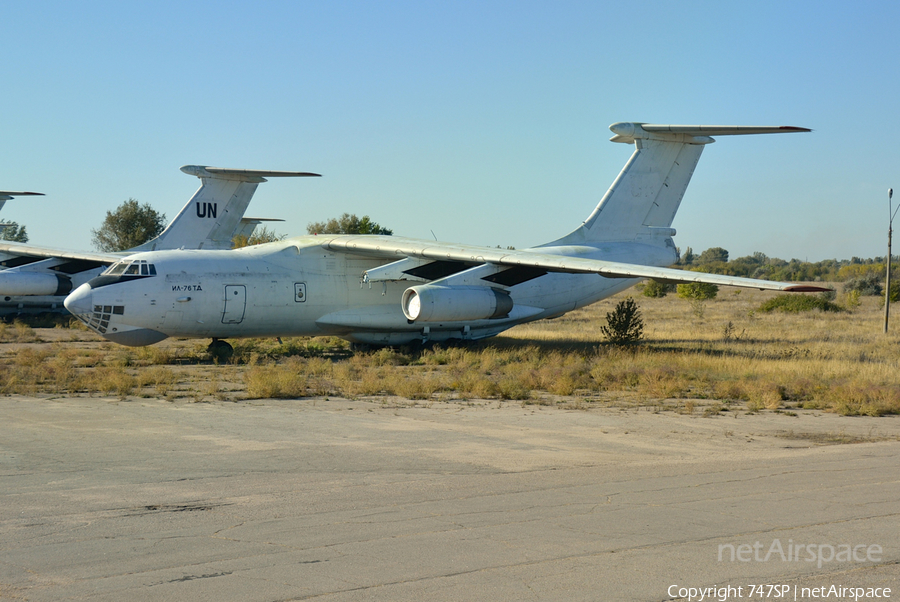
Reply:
x=628 y=131
x=244 y=175
x=5 y=195
x=722 y=130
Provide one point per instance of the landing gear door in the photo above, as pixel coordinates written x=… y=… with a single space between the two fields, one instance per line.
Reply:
x=235 y=303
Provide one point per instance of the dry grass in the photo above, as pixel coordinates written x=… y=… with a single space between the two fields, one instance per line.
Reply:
x=836 y=361
x=17 y=332
x=734 y=356
x=832 y=438
x=275 y=382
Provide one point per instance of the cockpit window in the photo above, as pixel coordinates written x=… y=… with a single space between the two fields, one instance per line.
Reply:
x=124 y=271
x=137 y=267
x=117 y=268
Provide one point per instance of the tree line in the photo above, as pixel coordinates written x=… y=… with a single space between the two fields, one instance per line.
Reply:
x=759 y=265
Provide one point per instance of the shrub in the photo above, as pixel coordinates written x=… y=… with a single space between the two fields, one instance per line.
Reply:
x=868 y=284
x=624 y=324
x=655 y=289
x=697 y=291
x=895 y=289
x=794 y=303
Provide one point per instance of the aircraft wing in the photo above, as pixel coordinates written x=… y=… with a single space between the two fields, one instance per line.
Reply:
x=391 y=247
x=49 y=252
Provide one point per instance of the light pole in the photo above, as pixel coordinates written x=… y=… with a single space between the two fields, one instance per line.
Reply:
x=887 y=279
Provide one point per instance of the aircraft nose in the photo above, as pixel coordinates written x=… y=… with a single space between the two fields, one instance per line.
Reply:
x=80 y=301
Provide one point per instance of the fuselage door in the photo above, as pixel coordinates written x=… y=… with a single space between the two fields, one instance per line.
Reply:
x=235 y=302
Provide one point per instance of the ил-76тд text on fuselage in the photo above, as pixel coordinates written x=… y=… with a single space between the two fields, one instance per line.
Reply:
x=392 y=290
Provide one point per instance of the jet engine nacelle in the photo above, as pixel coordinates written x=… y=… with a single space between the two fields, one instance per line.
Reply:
x=14 y=283
x=434 y=303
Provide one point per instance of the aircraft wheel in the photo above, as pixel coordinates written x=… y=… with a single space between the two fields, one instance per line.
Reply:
x=220 y=350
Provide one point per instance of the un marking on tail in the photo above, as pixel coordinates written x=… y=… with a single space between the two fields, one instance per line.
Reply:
x=207 y=209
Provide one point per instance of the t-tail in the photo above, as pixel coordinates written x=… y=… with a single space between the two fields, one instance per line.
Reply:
x=212 y=217
x=642 y=201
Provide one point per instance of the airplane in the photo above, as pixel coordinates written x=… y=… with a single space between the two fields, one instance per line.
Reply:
x=424 y=291
x=37 y=279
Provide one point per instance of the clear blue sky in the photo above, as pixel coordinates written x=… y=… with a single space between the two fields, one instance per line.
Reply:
x=485 y=122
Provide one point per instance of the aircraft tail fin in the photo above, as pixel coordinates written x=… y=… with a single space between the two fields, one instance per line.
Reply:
x=213 y=216
x=643 y=199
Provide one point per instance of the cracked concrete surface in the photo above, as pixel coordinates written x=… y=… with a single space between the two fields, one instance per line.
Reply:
x=339 y=500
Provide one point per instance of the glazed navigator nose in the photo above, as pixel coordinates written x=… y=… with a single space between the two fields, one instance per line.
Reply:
x=80 y=301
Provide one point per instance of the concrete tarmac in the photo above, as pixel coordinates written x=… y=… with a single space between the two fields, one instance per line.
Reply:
x=337 y=500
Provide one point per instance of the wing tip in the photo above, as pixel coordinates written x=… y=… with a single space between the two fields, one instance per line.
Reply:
x=807 y=288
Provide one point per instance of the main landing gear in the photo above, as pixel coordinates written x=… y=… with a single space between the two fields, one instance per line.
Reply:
x=220 y=350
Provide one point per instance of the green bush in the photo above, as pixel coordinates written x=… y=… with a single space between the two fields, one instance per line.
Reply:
x=697 y=291
x=895 y=289
x=624 y=324
x=870 y=284
x=655 y=289
x=794 y=303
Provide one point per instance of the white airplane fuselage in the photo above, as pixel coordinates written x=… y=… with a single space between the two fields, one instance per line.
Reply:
x=298 y=288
